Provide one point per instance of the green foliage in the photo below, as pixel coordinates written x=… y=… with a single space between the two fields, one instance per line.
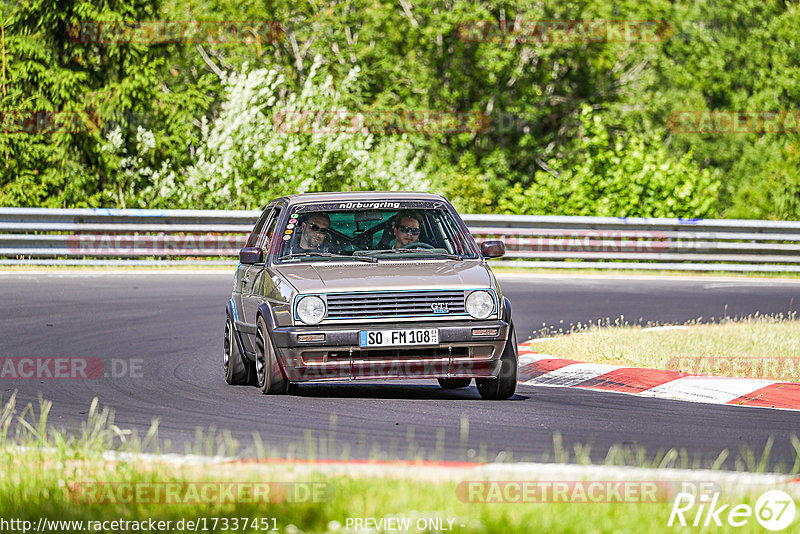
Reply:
x=728 y=55
x=468 y=191
x=774 y=193
x=163 y=131
x=269 y=140
x=112 y=87
x=48 y=71
x=630 y=177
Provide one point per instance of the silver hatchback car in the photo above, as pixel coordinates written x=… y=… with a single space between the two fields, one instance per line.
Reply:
x=378 y=285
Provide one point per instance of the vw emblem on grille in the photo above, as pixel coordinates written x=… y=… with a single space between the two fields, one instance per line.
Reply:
x=440 y=307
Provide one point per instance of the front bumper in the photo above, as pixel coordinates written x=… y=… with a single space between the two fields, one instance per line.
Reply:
x=459 y=353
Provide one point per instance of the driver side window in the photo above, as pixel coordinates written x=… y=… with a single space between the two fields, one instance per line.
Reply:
x=265 y=237
x=253 y=238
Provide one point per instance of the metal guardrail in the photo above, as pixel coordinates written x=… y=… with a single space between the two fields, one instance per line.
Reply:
x=160 y=237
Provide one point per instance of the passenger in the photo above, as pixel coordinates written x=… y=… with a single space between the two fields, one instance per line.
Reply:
x=407 y=226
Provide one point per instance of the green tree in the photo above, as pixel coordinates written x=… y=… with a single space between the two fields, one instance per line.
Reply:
x=99 y=86
x=726 y=55
x=622 y=177
x=265 y=143
x=773 y=193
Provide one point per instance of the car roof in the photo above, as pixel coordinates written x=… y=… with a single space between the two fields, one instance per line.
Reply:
x=361 y=195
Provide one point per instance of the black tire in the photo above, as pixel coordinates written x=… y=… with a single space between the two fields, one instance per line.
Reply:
x=505 y=384
x=238 y=370
x=269 y=376
x=453 y=383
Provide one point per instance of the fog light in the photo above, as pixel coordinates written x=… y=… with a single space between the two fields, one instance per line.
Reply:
x=484 y=331
x=305 y=338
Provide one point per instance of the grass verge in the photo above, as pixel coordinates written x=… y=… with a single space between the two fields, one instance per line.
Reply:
x=58 y=487
x=495 y=267
x=758 y=346
x=53 y=476
x=511 y=269
x=117 y=268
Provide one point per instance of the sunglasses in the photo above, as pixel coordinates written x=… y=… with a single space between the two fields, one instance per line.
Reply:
x=318 y=229
x=409 y=230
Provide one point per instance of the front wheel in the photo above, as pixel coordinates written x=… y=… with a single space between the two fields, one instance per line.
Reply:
x=505 y=384
x=268 y=373
x=238 y=370
x=454 y=383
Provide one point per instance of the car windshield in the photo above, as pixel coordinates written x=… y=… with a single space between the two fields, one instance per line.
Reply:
x=331 y=232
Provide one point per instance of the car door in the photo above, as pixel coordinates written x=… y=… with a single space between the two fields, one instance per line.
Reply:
x=241 y=280
x=253 y=289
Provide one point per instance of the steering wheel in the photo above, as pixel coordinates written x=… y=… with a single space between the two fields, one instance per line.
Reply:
x=418 y=244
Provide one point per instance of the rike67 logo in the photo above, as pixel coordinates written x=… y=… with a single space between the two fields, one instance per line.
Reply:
x=774 y=510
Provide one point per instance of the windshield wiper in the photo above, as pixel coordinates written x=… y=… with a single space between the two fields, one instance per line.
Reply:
x=298 y=255
x=385 y=251
x=416 y=251
x=443 y=254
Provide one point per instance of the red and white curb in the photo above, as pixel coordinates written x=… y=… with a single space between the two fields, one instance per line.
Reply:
x=544 y=370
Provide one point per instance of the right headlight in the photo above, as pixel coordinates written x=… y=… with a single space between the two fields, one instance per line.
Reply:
x=310 y=309
x=480 y=304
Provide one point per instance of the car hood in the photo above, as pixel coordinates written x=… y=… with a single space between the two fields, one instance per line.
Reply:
x=321 y=277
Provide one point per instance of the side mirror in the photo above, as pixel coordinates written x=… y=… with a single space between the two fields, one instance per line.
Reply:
x=493 y=249
x=250 y=255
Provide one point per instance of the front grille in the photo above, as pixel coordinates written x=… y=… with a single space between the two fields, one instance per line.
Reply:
x=395 y=304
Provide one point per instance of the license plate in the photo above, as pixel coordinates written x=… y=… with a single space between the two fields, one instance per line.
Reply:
x=398 y=338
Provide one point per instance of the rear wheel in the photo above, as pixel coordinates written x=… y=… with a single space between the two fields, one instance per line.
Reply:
x=238 y=370
x=505 y=384
x=268 y=373
x=453 y=383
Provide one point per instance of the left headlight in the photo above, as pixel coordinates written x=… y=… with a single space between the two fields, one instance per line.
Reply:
x=310 y=309
x=480 y=304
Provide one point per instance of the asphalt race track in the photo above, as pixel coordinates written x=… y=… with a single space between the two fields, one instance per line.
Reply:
x=162 y=332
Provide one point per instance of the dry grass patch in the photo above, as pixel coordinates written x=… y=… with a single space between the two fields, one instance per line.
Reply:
x=756 y=347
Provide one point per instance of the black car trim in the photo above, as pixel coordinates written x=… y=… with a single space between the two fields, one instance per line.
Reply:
x=506 y=310
x=246 y=327
x=341 y=335
x=237 y=335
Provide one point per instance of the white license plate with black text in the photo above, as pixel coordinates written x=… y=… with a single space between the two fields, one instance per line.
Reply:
x=398 y=338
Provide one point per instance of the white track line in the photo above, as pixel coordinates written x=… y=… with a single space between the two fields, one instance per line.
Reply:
x=706 y=389
x=572 y=374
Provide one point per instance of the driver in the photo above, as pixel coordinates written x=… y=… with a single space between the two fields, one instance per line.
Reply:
x=407 y=225
x=313 y=233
